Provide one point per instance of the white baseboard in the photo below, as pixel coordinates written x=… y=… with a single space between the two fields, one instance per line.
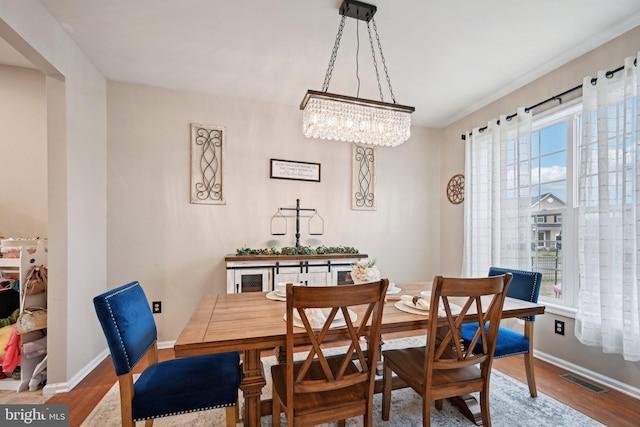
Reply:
x=55 y=388
x=586 y=373
x=165 y=344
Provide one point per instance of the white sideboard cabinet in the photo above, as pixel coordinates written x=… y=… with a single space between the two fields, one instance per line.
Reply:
x=259 y=273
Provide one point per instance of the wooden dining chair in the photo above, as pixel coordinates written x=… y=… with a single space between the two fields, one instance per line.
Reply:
x=330 y=384
x=172 y=387
x=445 y=367
x=525 y=286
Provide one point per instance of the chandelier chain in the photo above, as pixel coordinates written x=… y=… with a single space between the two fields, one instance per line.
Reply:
x=375 y=63
x=375 y=29
x=334 y=54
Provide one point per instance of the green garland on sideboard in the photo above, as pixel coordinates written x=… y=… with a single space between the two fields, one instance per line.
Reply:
x=301 y=250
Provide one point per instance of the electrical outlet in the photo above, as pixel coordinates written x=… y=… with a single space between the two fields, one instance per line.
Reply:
x=559 y=327
x=156 y=306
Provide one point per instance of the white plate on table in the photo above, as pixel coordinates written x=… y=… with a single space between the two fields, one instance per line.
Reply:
x=275 y=297
x=395 y=290
x=410 y=304
x=338 y=321
x=410 y=308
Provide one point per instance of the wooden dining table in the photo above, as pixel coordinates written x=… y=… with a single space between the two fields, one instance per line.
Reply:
x=251 y=323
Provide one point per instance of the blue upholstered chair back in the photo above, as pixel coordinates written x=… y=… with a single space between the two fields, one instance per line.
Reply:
x=128 y=324
x=525 y=285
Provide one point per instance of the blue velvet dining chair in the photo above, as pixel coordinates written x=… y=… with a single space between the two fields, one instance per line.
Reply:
x=172 y=387
x=525 y=286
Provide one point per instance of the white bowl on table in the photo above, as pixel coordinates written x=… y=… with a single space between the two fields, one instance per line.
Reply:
x=281 y=288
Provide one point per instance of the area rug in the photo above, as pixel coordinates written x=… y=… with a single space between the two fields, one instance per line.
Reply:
x=22 y=398
x=510 y=403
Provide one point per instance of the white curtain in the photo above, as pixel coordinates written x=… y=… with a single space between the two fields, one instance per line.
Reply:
x=497 y=209
x=609 y=214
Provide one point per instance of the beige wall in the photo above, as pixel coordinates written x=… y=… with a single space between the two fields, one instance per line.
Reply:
x=23 y=153
x=566 y=349
x=176 y=249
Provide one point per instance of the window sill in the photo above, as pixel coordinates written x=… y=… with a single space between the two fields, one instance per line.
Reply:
x=560 y=310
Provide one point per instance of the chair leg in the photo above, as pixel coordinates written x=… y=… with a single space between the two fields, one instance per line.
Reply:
x=484 y=408
x=125 y=383
x=439 y=403
x=275 y=410
x=230 y=415
x=367 y=420
x=127 y=422
x=148 y=423
x=342 y=423
x=386 y=391
x=426 y=411
x=531 y=378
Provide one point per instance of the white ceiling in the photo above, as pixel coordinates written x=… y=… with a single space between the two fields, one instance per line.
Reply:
x=445 y=57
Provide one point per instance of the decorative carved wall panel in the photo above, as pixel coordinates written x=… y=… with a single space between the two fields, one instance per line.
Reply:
x=363 y=177
x=207 y=169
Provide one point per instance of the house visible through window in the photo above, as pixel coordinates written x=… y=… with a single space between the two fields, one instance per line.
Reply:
x=553 y=143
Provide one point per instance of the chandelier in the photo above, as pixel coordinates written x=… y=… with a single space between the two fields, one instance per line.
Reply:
x=352 y=119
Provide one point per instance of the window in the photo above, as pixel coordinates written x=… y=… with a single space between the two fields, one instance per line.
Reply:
x=554 y=140
x=559 y=194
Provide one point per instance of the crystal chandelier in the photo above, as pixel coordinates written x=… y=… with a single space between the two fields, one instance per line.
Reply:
x=352 y=119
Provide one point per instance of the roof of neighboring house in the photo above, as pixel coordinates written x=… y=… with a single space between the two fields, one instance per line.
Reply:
x=554 y=201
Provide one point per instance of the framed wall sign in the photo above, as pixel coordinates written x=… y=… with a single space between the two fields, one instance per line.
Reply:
x=301 y=171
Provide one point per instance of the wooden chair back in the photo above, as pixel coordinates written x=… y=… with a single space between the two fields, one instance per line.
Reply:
x=446 y=367
x=479 y=298
x=323 y=370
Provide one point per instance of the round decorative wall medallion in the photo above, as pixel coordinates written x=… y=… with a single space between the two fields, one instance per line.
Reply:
x=455 y=189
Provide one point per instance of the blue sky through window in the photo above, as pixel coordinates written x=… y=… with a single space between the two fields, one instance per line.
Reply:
x=549 y=161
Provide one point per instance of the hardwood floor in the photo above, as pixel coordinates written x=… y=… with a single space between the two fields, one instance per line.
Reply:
x=611 y=408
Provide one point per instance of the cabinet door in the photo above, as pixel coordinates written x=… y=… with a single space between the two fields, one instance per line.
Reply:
x=250 y=280
x=317 y=276
x=288 y=276
x=310 y=275
x=290 y=272
x=341 y=275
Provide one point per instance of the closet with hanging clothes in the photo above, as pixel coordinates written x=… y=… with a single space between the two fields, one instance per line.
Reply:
x=23 y=327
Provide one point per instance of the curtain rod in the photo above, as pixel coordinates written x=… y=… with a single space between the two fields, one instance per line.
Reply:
x=557 y=97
